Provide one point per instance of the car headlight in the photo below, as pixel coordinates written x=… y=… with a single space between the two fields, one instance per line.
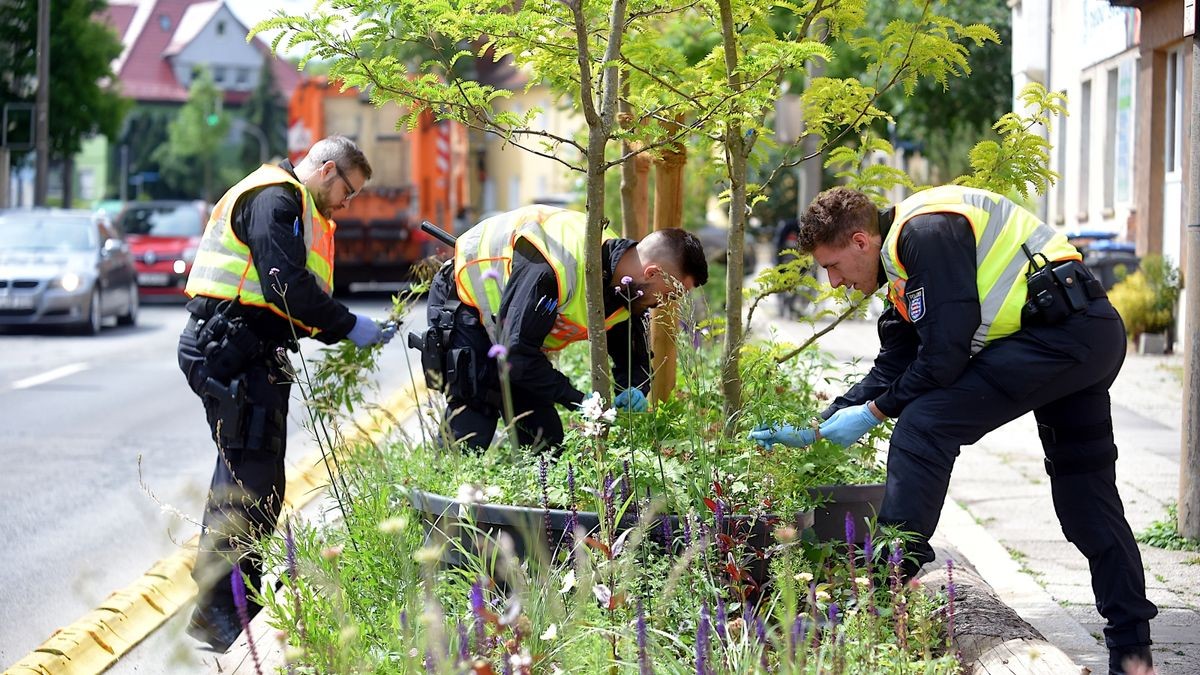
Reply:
x=69 y=282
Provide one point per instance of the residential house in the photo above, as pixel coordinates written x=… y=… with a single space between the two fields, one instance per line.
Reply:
x=1123 y=151
x=164 y=41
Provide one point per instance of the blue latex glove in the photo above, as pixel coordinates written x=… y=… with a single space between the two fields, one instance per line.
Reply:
x=366 y=332
x=848 y=425
x=632 y=399
x=388 y=330
x=767 y=435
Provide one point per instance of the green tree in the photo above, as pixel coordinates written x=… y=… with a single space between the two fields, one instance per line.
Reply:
x=714 y=67
x=194 y=139
x=267 y=113
x=83 y=95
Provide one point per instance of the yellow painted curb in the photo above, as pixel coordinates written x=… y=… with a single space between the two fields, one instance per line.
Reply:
x=95 y=641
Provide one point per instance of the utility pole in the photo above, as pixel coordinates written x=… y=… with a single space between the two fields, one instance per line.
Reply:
x=41 y=182
x=1189 y=448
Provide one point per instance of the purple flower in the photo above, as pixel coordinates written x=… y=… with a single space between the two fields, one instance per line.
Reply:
x=610 y=512
x=290 y=540
x=273 y=271
x=850 y=531
x=498 y=352
x=721 y=618
x=667 y=534
x=491 y=273
x=687 y=530
x=243 y=612
x=868 y=550
x=542 y=482
x=833 y=613
x=464 y=649
x=643 y=658
x=702 y=641
x=626 y=280
x=477 y=609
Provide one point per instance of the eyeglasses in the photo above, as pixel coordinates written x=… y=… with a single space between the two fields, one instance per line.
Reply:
x=351 y=193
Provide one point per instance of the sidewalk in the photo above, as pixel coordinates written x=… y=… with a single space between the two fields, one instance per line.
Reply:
x=1000 y=502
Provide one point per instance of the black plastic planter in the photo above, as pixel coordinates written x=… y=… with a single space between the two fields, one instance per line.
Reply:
x=552 y=527
x=860 y=501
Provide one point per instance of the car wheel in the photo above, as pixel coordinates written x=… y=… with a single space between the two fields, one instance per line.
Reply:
x=91 y=326
x=129 y=318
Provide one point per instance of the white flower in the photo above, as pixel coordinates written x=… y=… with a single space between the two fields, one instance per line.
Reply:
x=568 y=581
x=469 y=493
x=862 y=581
x=492 y=492
x=551 y=633
x=804 y=577
x=822 y=596
x=596 y=418
x=522 y=660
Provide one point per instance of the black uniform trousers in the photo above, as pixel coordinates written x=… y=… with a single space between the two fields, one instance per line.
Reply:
x=247 y=489
x=1062 y=373
x=472 y=419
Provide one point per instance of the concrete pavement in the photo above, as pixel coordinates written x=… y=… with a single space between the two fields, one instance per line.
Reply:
x=999 y=513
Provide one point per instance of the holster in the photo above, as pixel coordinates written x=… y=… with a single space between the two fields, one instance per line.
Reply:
x=231 y=409
x=440 y=371
x=1057 y=290
x=228 y=345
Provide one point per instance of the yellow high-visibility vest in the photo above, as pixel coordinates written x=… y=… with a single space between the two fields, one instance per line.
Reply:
x=1000 y=227
x=224 y=269
x=483 y=263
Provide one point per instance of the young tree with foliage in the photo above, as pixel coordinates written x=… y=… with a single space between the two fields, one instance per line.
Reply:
x=84 y=99
x=194 y=139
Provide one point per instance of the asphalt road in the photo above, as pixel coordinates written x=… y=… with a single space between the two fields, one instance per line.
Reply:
x=107 y=458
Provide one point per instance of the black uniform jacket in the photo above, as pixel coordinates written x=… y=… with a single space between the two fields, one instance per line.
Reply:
x=938 y=251
x=526 y=317
x=266 y=220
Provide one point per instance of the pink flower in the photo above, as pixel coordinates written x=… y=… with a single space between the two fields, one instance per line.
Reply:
x=498 y=352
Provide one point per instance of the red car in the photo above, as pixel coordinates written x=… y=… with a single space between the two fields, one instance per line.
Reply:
x=163 y=236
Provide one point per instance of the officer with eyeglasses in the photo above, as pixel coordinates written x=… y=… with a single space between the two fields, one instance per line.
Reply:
x=263 y=275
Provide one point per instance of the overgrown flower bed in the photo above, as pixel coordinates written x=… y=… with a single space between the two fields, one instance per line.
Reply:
x=370 y=592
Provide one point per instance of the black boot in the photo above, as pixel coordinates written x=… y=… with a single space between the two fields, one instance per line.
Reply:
x=1135 y=658
x=215 y=626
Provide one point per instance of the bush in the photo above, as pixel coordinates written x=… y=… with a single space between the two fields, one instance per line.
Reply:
x=1146 y=299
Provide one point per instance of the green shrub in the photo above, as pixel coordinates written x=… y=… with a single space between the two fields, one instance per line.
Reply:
x=1146 y=299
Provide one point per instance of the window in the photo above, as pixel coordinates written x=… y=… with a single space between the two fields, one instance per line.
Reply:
x=164 y=22
x=219 y=74
x=1110 y=139
x=1085 y=148
x=1174 y=111
x=220 y=28
x=243 y=75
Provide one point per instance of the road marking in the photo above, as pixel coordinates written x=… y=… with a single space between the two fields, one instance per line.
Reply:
x=51 y=375
x=94 y=642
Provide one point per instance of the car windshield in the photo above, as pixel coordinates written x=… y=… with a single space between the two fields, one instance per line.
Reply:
x=162 y=221
x=34 y=232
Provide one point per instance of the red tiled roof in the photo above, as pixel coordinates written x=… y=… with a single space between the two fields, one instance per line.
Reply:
x=145 y=72
x=118 y=16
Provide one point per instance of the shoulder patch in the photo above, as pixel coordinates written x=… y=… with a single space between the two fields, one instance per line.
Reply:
x=916 y=304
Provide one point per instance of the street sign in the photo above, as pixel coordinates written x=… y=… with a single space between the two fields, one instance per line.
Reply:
x=1189 y=17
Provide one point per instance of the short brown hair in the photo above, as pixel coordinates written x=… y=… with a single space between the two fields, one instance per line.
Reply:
x=835 y=215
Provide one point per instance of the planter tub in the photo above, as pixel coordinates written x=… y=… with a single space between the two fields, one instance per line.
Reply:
x=860 y=501
x=1152 y=343
x=551 y=526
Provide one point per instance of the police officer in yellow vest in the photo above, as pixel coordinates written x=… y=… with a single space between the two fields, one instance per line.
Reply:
x=516 y=290
x=992 y=315
x=262 y=275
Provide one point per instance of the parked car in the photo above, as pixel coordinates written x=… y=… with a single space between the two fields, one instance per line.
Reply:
x=163 y=237
x=64 y=267
x=715 y=239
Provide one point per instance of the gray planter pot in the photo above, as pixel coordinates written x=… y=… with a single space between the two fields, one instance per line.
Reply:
x=1152 y=343
x=860 y=501
x=535 y=529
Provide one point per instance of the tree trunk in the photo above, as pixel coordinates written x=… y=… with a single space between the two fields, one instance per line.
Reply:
x=736 y=150
x=68 y=181
x=989 y=636
x=668 y=213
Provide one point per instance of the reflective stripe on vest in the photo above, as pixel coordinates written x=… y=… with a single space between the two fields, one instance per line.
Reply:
x=1000 y=227
x=483 y=263
x=223 y=267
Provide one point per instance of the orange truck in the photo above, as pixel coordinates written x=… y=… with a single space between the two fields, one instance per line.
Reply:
x=418 y=175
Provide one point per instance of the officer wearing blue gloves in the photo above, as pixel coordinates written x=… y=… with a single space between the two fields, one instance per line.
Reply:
x=992 y=315
x=516 y=291
x=262 y=276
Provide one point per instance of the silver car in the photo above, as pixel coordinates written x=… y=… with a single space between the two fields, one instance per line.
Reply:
x=64 y=267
